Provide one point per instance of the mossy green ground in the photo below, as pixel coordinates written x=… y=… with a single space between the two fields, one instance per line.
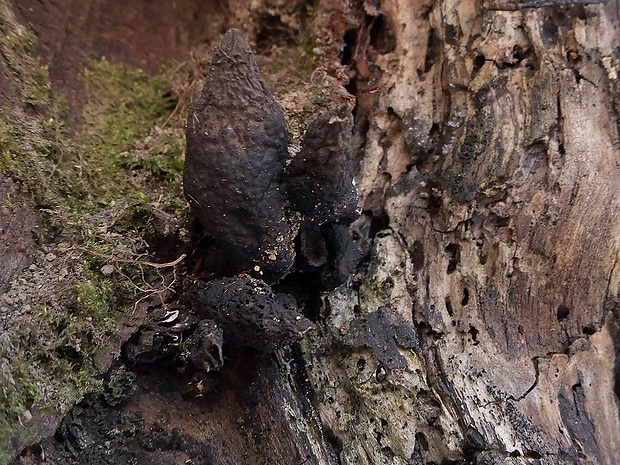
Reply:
x=96 y=189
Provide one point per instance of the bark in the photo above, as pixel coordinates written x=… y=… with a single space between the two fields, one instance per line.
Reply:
x=482 y=326
x=492 y=151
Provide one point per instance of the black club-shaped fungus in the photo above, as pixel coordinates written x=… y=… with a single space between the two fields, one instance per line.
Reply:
x=321 y=187
x=235 y=159
x=320 y=178
x=250 y=313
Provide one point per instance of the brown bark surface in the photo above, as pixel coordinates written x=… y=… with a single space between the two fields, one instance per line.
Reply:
x=482 y=328
x=18 y=232
x=491 y=147
x=146 y=34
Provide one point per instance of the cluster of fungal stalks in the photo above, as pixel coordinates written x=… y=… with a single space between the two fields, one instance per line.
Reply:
x=265 y=218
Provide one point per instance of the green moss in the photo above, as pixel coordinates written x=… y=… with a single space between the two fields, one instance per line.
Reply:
x=14 y=395
x=118 y=385
x=17 y=44
x=122 y=105
x=53 y=357
x=6 y=145
x=76 y=175
x=99 y=187
x=93 y=297
x=310 y=9
x=31 y=126
x=164 y=158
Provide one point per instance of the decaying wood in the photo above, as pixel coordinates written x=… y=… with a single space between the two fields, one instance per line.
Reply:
x=523 y=5
x=492 y=150
x=18 y=231
x=483 y=327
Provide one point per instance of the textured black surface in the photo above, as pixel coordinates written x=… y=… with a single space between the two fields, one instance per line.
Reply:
x=205 y=346
x=249 y=312
x=383 y=331
x=235 y=181
x=320 y=178
x=343 y=255
x=236 y=154
x=320 y=186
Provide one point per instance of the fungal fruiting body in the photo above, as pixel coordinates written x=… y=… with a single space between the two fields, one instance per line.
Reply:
x=235 y=160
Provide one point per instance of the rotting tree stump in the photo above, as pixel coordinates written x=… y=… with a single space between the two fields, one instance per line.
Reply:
x=483 y=326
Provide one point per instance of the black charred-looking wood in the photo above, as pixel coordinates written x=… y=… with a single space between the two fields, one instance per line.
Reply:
x=236 y=153
x=150 y=346
x=321 y=187
x=249 y=312
x=383 y=331
x=343 y=255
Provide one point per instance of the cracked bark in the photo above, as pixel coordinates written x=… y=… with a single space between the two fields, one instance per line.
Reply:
x=490 y=152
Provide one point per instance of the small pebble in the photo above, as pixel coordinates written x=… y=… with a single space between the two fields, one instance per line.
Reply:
x=107 y=269
x=50 y=257
x=26 y=416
